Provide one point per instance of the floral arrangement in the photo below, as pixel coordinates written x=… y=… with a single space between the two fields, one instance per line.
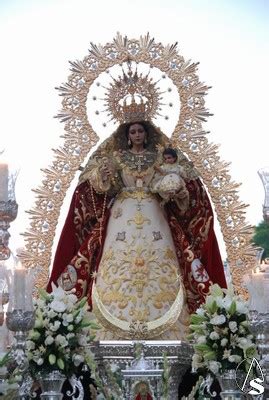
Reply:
x=220 y=331
x=62 y=333
x=110 y=384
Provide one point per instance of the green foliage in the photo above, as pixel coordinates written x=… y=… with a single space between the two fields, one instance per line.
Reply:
x=109 y=383
x=4 y=360
x=261 y=237
x=165 y=377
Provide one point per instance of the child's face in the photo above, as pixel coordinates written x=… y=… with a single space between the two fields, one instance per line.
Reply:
x=169 y=159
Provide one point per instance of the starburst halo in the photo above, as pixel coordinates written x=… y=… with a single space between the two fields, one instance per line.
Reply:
x=114 y=91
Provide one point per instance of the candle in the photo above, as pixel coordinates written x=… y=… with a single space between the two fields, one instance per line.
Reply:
x=2 y=314
x=3 y=182
x=19 y=287
x=258 y=289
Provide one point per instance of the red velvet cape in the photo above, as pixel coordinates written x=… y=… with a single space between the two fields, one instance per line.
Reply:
x=82 y=239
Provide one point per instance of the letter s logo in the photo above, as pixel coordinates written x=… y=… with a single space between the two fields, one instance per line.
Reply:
x=255 y=383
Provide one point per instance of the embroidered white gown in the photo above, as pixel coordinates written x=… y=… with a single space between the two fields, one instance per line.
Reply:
x=138 y=291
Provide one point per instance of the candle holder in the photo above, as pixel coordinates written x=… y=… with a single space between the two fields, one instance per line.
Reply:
x=8 y=207
x=258 y=287
x=20 y=316
x=264 y=175
x=4 y=295
x=260 y=329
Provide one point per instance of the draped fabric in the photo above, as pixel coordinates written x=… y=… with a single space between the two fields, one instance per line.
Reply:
x=82 y=237
x=82 y=240
x=198 y=250
x=146 y=397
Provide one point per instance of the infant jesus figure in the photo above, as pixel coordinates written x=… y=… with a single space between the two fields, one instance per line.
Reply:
x=168 y=181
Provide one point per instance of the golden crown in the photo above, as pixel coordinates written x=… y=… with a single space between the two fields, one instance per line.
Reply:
x=132 y=97
x=134 y=111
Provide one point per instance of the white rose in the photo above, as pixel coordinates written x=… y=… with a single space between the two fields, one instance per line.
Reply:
x=58 y=306
x=70 y=335
x=49 y=340
x=214 y=335
x=72 y=298
x=77 y=359
x=201 y=339
x=242 y=341
x=233 y=326
x=196 y=361
x=223 y=342
x=54 y=327
x=51 y=314
x=67 y=318
x=82 y=340
x=30 y=345
x=196 y=358
x=214 y=366
x=234 y=358
x=61 y=340
x=218 y=320
x=40 y=361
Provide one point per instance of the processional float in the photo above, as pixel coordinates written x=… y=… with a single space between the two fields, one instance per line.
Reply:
x=171 y=86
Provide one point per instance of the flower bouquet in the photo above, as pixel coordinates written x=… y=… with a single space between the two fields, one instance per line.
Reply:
x=220 y=333
x=62 y=333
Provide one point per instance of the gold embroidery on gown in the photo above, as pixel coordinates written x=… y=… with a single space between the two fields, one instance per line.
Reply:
x=138 y=285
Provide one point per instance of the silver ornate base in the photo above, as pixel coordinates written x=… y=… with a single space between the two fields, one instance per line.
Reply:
x=8 y=213
x=122 y=353
x=51 y=385
x=229 y=388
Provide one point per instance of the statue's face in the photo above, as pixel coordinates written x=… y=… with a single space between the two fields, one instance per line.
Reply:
x=143 y=389
x=137 y=134
x=169 y=159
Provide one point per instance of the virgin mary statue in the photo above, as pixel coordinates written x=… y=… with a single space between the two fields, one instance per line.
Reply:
x=144 y=263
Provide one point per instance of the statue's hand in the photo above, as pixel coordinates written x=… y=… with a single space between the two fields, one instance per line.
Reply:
x=105 y=172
